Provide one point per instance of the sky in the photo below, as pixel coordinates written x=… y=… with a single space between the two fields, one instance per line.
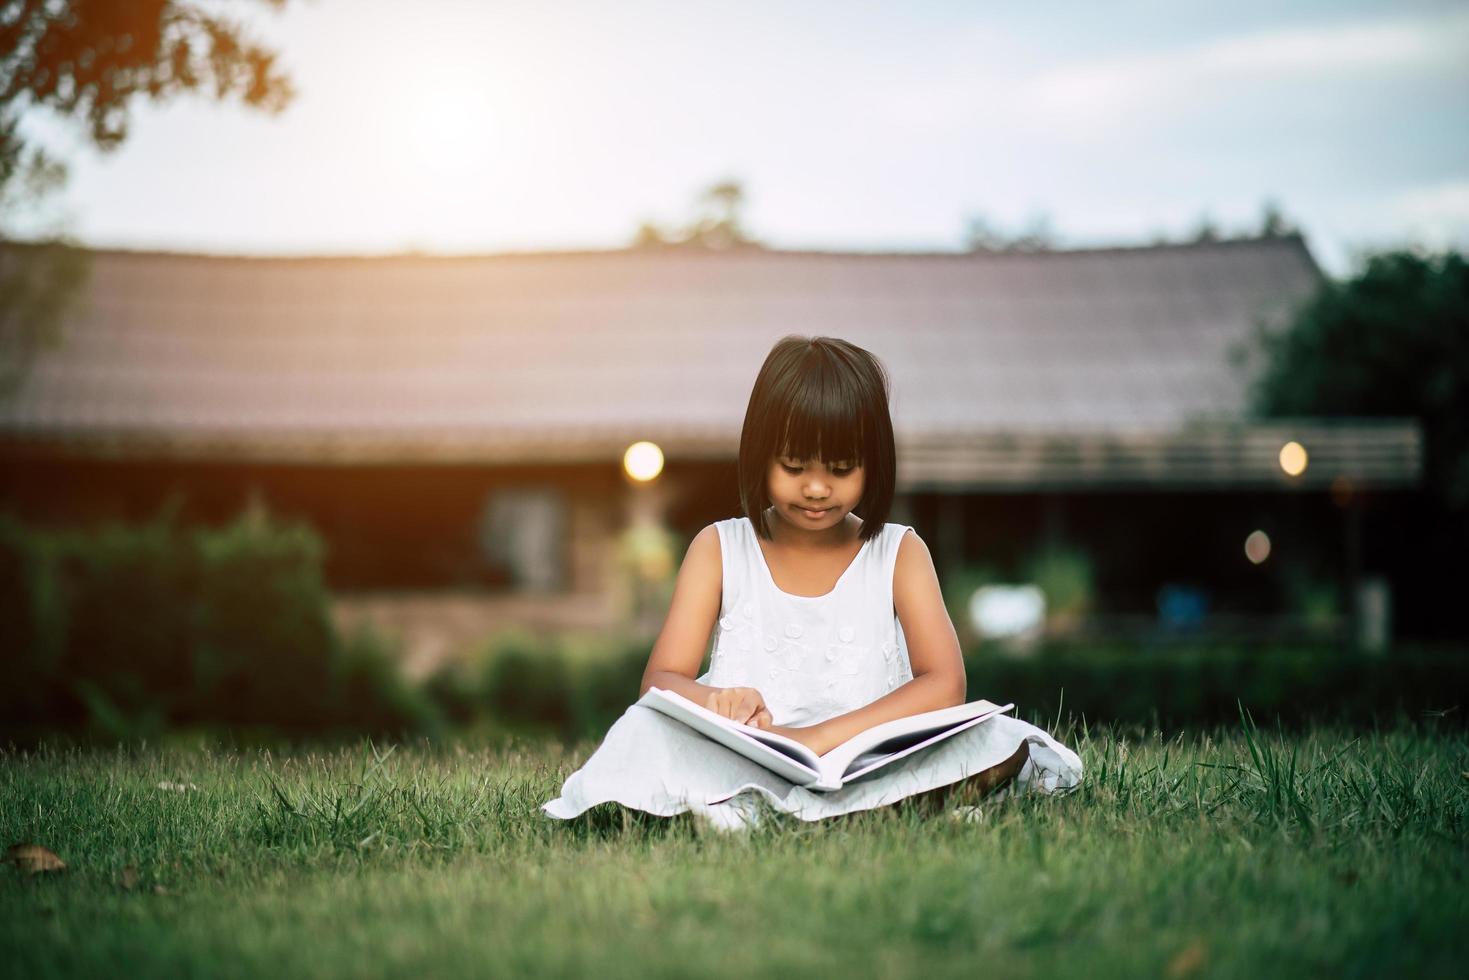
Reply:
x=473 y=126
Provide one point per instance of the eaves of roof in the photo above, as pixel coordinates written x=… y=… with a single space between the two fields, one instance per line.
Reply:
x=1365 y=453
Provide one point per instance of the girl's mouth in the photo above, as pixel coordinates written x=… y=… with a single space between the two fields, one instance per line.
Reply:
x=815 y=514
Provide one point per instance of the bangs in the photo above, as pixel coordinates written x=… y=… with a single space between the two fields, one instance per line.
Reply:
x=825 y=421
x=826 y=439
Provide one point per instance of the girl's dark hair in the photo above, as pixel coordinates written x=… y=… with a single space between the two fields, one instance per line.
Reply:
x=822 y=398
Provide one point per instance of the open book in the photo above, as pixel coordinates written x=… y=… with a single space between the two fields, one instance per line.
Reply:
x=858 y=756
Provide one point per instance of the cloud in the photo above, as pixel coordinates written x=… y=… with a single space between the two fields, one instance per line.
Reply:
x=1102 y=90
x=1439 y=212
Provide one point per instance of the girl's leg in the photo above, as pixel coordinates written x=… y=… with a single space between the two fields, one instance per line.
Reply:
x=969 y=790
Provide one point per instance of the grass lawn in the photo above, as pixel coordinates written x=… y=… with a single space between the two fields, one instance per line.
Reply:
x=1226 y=853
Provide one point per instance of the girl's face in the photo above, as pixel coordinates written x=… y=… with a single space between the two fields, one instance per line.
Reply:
x=813 y=495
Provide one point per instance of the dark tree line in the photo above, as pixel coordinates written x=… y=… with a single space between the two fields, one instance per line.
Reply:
x=1390 y=341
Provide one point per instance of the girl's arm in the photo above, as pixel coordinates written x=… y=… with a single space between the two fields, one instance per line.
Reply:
x=679 y=649
x=933 y=650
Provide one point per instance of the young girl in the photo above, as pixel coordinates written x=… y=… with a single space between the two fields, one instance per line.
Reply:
x=829 y=621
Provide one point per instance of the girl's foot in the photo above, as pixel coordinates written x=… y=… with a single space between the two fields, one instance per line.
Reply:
x=738 y=815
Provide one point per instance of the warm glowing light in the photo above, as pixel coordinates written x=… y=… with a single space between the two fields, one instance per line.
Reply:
x=643 y=461
x=1257 y=546
x=1293 y=458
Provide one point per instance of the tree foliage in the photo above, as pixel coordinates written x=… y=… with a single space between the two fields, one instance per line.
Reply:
x=1392 y=341
x=980 y=235
x=716 y=223
x=89 y=61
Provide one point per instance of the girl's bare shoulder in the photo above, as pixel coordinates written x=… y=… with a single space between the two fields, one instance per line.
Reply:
x=707 y=538
x=914 y=562
x=704 y=556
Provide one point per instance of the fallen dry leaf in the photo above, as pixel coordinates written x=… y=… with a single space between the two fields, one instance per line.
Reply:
x=1188 y=960
x=33 y=858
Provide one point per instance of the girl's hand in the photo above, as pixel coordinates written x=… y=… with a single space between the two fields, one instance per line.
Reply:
x=743 y=704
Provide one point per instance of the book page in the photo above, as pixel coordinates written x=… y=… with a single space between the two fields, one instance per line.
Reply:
x=783 y=756
x=903 y=734
x=902 y=746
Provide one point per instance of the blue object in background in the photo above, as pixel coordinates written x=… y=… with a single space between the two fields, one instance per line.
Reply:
x=1181 y=607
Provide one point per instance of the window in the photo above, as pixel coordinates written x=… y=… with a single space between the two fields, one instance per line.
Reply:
x=524 y=531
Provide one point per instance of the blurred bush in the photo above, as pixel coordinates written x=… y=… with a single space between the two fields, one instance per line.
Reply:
x=541 y=685
x=124 y=630
x=1180 y=685
x=1065 y=576
x=527 y=684
x=538 y=686
x=263 y=644
x=31 y=631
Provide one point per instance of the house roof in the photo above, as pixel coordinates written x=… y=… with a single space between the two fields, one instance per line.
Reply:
x=572 y=355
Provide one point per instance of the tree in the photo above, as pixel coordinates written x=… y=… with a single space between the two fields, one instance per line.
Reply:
x=89 y=60
x=1392 y=341
x=1273 y=222
x=719 y=226
x=649 y=235
x=982 y=236
x=1206 y=230
x=1036 y=235
x=92 y=58
x=716 y=223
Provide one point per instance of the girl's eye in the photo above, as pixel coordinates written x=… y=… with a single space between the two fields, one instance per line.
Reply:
x=793 y=470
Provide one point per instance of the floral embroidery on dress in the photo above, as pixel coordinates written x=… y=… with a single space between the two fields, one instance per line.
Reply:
x=897 y=670
x=793 y=656
x=810 y=660
x=734 y=635
x=787 y=667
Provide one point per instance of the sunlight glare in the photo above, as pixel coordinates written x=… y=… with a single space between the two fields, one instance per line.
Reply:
x=447 y=122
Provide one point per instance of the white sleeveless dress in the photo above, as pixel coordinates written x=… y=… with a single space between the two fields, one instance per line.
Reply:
x=811 y=658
